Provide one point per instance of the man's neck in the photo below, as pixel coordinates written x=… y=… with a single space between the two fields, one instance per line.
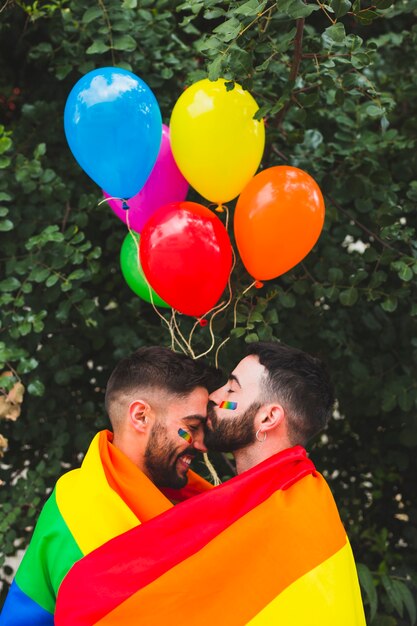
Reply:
x=252 y=455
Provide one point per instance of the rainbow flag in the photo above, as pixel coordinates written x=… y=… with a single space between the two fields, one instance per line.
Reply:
x=89 y=506
x=267 y=547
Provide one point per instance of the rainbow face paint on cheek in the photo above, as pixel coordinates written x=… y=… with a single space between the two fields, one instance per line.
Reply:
x=185 y=435
x=228 y=405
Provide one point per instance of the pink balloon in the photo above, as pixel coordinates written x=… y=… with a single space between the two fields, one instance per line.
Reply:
x=165 y=184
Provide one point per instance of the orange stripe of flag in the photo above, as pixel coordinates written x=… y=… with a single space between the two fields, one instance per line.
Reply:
x=244 y=568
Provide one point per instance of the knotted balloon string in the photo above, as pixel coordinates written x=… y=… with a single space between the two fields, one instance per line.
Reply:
x=221 y=208
x=125 y=205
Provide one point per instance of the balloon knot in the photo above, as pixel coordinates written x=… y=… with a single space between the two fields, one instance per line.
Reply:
x=203 y=322
x=258 y=284
x=125 y=205
x=219 y=209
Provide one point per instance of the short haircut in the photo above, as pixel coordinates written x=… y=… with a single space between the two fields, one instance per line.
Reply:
x=300 y=382
x=158 y=369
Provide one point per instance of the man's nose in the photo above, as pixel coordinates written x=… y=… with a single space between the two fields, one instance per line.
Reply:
x=199 y=444
x=216 y=396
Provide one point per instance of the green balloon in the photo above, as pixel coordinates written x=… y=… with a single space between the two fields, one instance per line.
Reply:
x=132 y=270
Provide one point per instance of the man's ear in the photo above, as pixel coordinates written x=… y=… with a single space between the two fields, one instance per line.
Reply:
x=138 y=415
x=273 y=417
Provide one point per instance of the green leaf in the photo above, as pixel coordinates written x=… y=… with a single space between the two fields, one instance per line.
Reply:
x=250 y=8
x=297 y=8
x=36 y=388
x=406 y=273
x=374 y=110
x=256 y=317
x=335 y=275
x=367 y=584
x=407 y=599
x=6 y=225
x=393 y=594
x=91 y=14
x=334 y=34
x=384 y=4
x=229 y=29
x=40 y=150
x=10 y=284
x=52 y=280
x=340 y=7
x=129 y=4
x=213 y=14
x=98 y=47
x=390 y=304
x=287 y=300
x=349 y=297
x=4 y=162
x=5 y=144
x=215 y=68
x=125 y=43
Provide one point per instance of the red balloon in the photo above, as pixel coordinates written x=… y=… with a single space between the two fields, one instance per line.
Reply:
x=186 y=255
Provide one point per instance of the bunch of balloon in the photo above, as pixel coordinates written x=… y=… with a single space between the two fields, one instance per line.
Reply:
x=165 y=184
x=216 y=141
x=133 y=273
x=278 y=219
x=113 y=127
x=186 y=256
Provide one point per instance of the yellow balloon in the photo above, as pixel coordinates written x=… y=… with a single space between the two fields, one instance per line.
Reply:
x=215 y=140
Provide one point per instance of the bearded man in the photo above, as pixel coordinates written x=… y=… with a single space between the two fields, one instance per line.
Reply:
x=156 y=401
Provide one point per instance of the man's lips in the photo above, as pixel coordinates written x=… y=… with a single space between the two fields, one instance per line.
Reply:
x=185 y=460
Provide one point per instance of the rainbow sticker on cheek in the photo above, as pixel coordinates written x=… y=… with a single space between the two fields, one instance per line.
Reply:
x=228 y=405
x=185 y=435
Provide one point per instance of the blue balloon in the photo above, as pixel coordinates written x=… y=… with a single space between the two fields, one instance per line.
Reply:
x=113 y=127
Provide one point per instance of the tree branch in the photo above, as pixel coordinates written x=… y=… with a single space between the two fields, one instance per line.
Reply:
x=295 y=66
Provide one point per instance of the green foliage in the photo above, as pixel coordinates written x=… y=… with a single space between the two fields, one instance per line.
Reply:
x=336 y=84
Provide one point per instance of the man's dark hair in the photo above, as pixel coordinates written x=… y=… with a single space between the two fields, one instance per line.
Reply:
x=159 y=368
x=300 y=382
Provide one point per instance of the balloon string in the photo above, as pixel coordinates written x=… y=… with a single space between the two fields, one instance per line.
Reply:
x=226 y=209
x=220 y=308
x=174 y=339
x=238 y=300
x=177 y=328
x=109 y=198
x=213 y=473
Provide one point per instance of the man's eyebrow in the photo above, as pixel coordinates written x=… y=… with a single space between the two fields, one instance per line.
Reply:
x=201 y=418
x=234 y=378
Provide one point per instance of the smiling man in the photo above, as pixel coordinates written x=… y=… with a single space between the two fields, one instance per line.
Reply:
x=156 y=401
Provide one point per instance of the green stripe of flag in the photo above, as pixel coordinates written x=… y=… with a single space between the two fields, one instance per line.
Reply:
x=51 y=553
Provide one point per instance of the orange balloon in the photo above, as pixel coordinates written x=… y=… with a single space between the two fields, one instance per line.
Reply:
x=278 y=219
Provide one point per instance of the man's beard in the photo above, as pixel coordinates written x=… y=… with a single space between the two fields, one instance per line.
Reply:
x=161 y=457
x=229 y=434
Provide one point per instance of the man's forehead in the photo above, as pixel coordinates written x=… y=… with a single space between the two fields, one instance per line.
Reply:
x=248 y=370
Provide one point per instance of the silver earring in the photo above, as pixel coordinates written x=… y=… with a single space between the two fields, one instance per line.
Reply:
x=257 y=435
